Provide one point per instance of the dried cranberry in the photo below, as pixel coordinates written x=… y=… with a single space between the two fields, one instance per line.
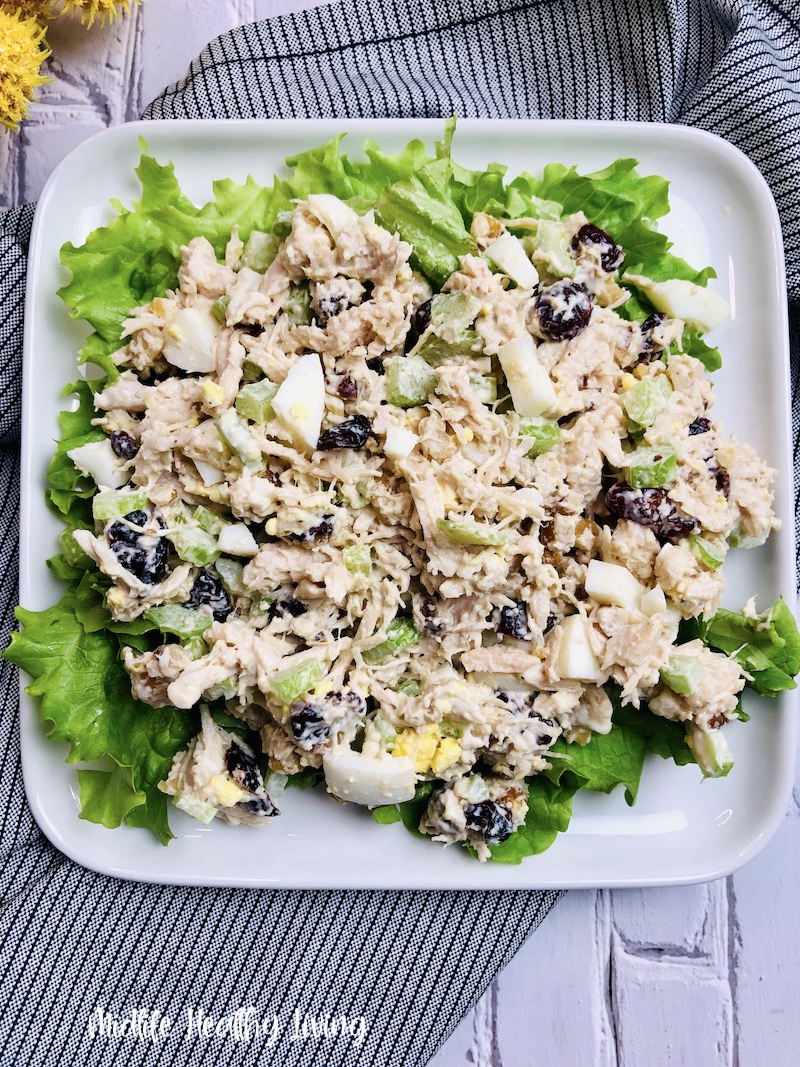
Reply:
x=347 y=389
x=243 y=768
x=308 y=726
x=722 y=479
x=329 y=305
x=292 y=607
x=551 y=621
x=649 y=507
x=123 y=444
x=421 y=317
x=323 y=529
x=514 y=622
x=149 y=565
x=208 y=589
x=611 y=255
x=253 y=329
x=493 y=821
x=561 y=311
x=651 y=347
x=352 y=433
x=699 y=426
x=376 y=365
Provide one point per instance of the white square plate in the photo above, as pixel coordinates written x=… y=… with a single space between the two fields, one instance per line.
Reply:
x=682 y=829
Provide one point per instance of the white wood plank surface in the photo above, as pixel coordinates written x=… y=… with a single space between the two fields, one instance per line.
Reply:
x=703 y=976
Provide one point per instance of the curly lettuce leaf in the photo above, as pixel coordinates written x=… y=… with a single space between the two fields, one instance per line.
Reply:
x=549 y=813
x=767 y=647
x=86 y=701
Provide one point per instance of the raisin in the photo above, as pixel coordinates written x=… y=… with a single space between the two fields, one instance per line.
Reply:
x=421 y=317
x=611 y=255
x=347 y=389
x=491 y=820
x=123 y=444
x=292 y=607
x=208 y=589
x=561 y=311
x=699 y=426
x=352 y=433
x=513 y=622
x=649 y=507
x=308 y=726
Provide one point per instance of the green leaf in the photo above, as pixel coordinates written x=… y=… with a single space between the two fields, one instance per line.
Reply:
x=549 y=813
x=86 y=701
x=767 y=647
x=608 y=760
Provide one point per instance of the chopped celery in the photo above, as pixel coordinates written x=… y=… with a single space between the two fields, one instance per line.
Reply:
x=195 y=648
x=400 y=635
x=237 y=434
x=462 y=532
x=649 y=468
x=113 y=503
x=219 y=308
x=222 y=690
x=645 y=401
x=711 y=751
x=552 y=248
x=451 y=729
x=356 y=496
x=435 y=350
x=260 y=603
x=194 y=545
x=208 y=520
x=358 y=559
x=260 y=250
x=485 y=387
x=682 y=674
x=542 y=433
x=254 y=401
x=708 y=554
x=230 y=571
x=282 y=225
x=287 y=685
x=409 y=381
x=175 y=619
x=409 y=688
x=452 y=313
x=298 y=306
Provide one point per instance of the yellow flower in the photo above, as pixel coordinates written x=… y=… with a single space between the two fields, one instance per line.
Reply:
x=89 y=10
x=41 y=10
x=21 y=54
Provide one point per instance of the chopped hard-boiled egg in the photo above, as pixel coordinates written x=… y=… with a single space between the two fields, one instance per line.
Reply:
x=368 y=780
x=700 y=308
x=399 y=443
x=608 y=583
x=300 y=401
x=98 y=462
x=430 y=751
x=509 y=255
x=190 y=341
x=227 y=791
x=532 y=392
x=576 y=660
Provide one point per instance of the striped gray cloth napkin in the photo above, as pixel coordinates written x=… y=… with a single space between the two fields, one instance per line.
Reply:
x=410 y=964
